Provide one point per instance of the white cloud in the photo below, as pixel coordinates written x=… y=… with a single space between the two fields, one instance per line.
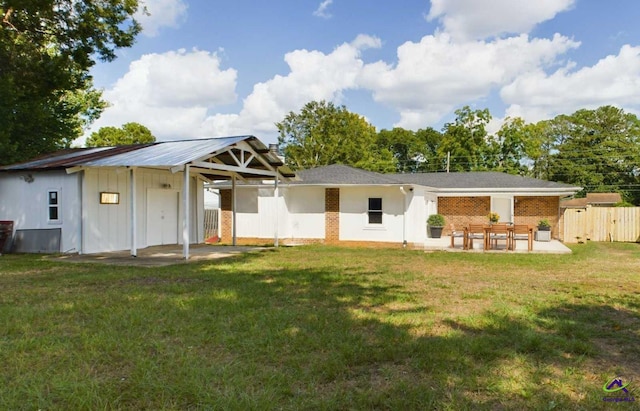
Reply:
x=321 y=11
x=170 y=93
x=480 y=19
x=435 y=75
x=156 y=14
x=613 y=80
x=313 y=76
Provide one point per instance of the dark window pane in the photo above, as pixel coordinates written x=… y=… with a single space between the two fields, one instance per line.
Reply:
x=53 y=213
x=53 y=197
x=375 y=204
x=375 y=217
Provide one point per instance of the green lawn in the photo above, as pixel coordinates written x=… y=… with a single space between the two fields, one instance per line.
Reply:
x=323 y=328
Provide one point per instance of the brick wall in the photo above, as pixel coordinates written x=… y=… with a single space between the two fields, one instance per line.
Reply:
x=530 y=210
x=332 y=215
x=462 y=211
x=226 y=216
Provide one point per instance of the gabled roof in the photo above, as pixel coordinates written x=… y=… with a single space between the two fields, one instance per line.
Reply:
x=597 y=199
x=165 y=154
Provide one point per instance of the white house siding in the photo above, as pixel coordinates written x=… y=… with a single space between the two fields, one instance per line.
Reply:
x=306 y=213
x=416 y=215
x=27 y=205
x=354 y=219
x=108 y=227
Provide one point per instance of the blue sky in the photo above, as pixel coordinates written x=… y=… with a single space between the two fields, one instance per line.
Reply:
x=217 y=68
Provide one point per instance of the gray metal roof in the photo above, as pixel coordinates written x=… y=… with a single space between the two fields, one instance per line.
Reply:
x=166 y=153
x=163 y=154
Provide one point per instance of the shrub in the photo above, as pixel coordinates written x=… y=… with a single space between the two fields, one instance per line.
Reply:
x=436 y=220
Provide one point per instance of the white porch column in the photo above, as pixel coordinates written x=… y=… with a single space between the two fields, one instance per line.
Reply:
x=185 y=219
x=233 y=210
x=134 y=211
x=275 y=195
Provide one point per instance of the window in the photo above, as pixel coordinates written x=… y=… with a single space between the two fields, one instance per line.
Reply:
x=54 y=205
x=375 y=211
x=109 y=198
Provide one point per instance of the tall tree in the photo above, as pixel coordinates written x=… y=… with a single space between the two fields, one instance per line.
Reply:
x=599 y=150
x=323 y=134
x=46 y=51
x=129 y=133
x=465 y=141
x=414 y=151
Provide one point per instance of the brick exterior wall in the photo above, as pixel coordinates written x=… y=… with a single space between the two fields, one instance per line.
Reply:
x=226 y=229
x=530 y=210
x=461 y=211
x=332 y=215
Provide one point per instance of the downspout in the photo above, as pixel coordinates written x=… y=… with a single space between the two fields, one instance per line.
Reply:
x=404 y=216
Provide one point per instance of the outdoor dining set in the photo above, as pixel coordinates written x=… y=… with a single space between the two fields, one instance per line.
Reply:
x=493 y=234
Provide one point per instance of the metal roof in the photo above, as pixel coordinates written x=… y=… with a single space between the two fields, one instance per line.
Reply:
x=163 y=154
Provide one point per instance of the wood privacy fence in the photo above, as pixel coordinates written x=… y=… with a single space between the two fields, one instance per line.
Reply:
x=602 y=224
x=211 y=223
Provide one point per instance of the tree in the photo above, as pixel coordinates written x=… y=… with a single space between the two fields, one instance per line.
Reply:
x=324 y=134
x=413 y=151
x=129 y=133
x=598 y=150
x=466 y=142
x=46 y=51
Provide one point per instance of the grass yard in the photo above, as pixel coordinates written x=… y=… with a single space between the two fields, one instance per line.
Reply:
x=324 y=328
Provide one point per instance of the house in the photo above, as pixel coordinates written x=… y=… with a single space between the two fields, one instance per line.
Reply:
x=128 y=197
x=338 y=204
x=593 y=200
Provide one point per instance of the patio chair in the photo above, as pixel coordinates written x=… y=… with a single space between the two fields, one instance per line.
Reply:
x=456 y=234
x=523 y=232
x=499 y=233
x=475 y=232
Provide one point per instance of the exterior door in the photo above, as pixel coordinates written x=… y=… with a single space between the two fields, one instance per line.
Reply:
x=502 y=206
x=162 y=217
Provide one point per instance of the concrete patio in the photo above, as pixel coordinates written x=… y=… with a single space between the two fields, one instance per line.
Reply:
x=157 y=256
x=539 y=247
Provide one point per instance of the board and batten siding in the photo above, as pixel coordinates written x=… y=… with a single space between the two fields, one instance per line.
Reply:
x=108 y=226
x=24 y=200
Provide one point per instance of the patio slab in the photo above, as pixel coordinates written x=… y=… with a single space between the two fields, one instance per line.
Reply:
x=157 y=256
x=539 y=247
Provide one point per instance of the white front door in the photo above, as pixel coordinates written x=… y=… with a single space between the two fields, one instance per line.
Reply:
x=162 y=217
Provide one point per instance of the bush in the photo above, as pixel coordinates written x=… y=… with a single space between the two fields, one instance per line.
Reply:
x=436 y=220
x=544 y=223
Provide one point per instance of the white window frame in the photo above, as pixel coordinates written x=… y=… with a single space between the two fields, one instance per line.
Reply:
x=372 y=210
x=57 y=206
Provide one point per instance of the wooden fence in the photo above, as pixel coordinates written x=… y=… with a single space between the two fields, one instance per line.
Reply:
x=211 y=223
x=602 y=224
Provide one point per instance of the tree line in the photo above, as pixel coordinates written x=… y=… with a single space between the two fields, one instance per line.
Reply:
x=595 y=149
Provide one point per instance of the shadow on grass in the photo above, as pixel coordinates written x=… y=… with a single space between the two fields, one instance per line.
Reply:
x=236 y=335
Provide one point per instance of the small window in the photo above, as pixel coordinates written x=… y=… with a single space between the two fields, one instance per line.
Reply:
x=54 y=205
x=109 y=198
x=375 y=211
